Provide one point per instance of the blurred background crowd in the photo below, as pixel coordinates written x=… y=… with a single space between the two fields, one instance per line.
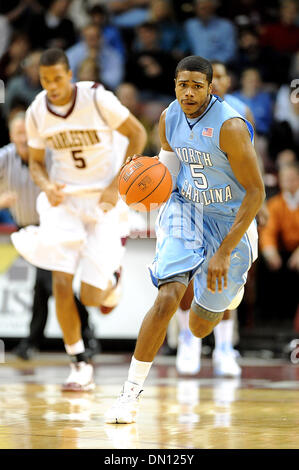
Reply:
x=133 y=46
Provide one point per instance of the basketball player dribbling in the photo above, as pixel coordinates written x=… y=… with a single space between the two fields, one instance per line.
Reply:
x=79 y=205
x=189 y=347
x=206 y=230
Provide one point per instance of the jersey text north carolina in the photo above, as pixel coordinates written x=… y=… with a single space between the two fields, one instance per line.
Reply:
x=205 y=175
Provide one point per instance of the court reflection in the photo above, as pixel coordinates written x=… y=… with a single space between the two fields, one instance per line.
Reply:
x=123 y=436
x=224 y=394
x=188 y=396
x=175 y=413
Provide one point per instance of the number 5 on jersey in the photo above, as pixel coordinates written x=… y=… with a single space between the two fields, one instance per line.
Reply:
x=200 y=180
x=80 y=161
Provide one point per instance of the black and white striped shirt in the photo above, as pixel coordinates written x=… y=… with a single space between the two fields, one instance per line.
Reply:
x=15 y=176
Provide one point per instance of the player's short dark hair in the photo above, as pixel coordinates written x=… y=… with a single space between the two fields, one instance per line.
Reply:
x=54 y=56
x=195 y=63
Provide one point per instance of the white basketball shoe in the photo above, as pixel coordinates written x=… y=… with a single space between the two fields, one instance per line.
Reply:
x=225 y=364
x=80 y=378
x=188 y=353
x=125 y=408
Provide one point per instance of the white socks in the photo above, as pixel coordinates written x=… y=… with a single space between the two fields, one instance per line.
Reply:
x=224 y=335
x=76 y=348
x=138 y=371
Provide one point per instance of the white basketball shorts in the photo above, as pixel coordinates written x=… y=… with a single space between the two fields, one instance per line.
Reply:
x=75 y=234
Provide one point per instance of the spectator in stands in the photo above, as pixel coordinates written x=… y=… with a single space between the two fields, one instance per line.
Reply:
x=279 y=243
x=210 y=36
x=93 y=45
x=171 y=36
x=183 y=10
x=221 y=86
x=128 y=95
x=283 y=36
x=24 y=88
x=88 y=71
x=285 y=157
x=147 y=112
x=128 y=13
x=5 y=34
x=78 y=12
x=260 y=103
x=52 y=28
x=258 y=100
x=244 y=12
x=111 y=34
x=19 y=193
x=251 y=54
x=151 y=69
x=20 y=12
x=285 y=129
x=10 y=62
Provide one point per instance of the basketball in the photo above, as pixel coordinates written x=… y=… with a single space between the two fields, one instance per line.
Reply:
x=145 y=184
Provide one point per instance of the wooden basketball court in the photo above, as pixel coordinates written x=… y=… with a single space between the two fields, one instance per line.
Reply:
x=258 y=411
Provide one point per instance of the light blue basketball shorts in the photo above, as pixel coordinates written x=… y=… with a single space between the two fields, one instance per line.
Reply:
x=187 y=240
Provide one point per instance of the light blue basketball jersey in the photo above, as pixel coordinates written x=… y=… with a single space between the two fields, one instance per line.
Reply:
x=236 y=104
x=205 y=175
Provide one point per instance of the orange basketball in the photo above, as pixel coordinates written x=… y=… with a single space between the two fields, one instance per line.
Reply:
x=145 y=184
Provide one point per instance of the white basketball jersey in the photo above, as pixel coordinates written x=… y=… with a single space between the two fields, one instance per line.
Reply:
x=84 y=154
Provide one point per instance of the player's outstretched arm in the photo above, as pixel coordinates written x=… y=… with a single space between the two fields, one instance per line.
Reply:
x=235 y=142
x=40 y=176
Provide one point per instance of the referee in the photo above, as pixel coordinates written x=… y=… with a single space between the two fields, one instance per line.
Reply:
x=18 y=193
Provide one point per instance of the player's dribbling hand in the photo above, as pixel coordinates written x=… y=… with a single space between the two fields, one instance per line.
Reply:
x=218 y=271
x=54 y=193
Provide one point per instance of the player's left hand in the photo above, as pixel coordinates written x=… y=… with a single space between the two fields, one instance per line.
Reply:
x=218 y=271
x=109 y=197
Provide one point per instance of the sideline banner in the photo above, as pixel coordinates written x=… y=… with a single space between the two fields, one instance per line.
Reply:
x=17 y=278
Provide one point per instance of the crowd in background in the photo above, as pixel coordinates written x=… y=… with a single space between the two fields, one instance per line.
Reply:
x=133 y=46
